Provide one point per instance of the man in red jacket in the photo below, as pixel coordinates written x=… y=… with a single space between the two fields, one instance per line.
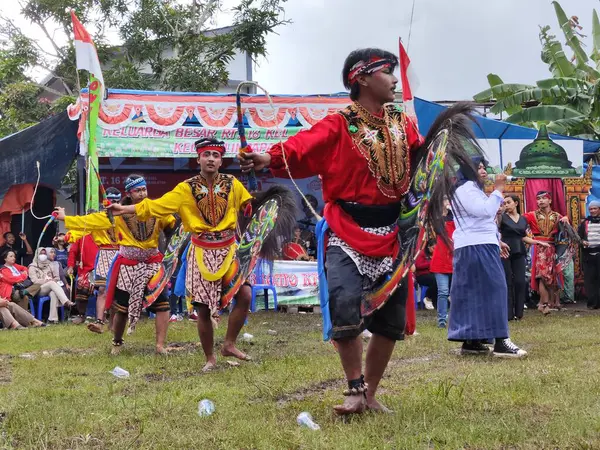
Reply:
x=82 y=254
x=363 y=156
x=441 y=267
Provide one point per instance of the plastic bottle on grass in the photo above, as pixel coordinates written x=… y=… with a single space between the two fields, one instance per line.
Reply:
x=205 y=408
x=305 y=420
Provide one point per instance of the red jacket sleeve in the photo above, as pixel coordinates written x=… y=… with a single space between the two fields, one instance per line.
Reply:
x=307 y=151
x=8 y=276
x=74 y=253
x=422 y=262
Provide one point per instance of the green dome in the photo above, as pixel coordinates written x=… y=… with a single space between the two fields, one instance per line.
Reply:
x=544 y=158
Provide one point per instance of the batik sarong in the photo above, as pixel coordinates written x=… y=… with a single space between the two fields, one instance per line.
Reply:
x=105 y=257
x=209 y=259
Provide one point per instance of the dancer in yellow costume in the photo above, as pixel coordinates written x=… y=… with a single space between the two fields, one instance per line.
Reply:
x=208 y=204
x=138 y=260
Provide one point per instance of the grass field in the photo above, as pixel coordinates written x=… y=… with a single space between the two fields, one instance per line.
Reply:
x=56 y=390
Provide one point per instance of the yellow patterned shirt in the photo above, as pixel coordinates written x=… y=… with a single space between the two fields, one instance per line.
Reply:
x=101 y=237
x=202 y=207
x=129 y=230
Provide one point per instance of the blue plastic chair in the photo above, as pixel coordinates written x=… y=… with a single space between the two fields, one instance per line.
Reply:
x=40 y=308
x=263 y=283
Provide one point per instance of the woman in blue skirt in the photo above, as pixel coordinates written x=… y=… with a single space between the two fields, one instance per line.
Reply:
x=478 y=292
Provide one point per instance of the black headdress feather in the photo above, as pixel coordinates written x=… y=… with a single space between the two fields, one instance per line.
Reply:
x=286 y=219
x=461 y=148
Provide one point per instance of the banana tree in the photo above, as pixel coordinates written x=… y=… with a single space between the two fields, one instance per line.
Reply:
x=569 y=102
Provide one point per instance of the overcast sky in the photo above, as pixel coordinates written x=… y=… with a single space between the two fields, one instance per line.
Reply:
x=453 y=46
x=454 y=43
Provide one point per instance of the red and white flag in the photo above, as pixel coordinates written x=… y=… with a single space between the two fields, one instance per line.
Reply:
x=85 y=51
x=409 y=83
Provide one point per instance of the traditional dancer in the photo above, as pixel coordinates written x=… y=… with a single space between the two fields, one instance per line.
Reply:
x=82 y=257
x=589 y=232
x=137 y=261
x=479 y=306
x=208 y=204
x=364 y=155
x=543 y=223
x=96 y=252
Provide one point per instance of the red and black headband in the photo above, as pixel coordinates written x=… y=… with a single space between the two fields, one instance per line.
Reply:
x=375 y=64
x=542 y=194
x=203 y=145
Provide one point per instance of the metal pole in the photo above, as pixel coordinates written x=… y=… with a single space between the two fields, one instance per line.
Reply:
x=22 y=230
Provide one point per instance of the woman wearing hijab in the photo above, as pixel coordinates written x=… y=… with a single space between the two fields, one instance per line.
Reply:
x=478 y=291
x=40 y=272
x=57 y=270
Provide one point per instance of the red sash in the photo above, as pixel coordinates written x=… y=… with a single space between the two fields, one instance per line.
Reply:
x=363 y=242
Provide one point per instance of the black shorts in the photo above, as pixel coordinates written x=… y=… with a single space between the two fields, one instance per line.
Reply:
x=345 y=286
x=121 y=301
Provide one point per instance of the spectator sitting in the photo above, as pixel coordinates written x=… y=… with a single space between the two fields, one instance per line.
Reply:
x=14 y=280
x=57 y=270
x=424 y=277
x=10 y=244
x=13 y=317
x=62 y=253
x=40 y=273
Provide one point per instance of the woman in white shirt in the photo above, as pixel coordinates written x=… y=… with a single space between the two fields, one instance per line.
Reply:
x=40 y=272
x=478 y=293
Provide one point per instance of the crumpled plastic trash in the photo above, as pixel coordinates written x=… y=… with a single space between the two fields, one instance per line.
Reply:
x=119 y=372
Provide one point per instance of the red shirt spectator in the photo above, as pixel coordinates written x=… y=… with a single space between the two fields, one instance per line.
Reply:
x=441 y=260
x=422 y=264
x=9 y=276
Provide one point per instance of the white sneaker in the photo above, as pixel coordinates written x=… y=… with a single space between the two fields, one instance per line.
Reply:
x=366 y=334
x=173 y=318
x=428 y=304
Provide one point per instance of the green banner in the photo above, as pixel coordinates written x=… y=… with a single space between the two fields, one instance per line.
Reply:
x=95 y=93
x=139 y=140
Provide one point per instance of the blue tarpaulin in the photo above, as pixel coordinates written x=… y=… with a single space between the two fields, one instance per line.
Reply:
x=52 y=142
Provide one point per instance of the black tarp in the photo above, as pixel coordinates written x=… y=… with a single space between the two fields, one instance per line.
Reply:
x=52 y=142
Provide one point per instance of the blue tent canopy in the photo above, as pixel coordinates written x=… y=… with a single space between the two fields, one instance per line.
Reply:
x=494 y=129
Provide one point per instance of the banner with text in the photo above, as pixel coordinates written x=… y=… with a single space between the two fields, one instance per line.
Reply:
x=296 y=282
x=139 y=140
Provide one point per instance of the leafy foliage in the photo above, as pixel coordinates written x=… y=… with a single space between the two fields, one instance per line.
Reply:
x=569 y=102
x=164 y=44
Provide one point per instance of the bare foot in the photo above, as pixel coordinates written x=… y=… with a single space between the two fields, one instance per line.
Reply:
x=232 y=350
x=544 y=309
x=353 y=404
x=116 y=350
x=210 y=365
x=161 y=351
x=375 y=406
x=96 y=327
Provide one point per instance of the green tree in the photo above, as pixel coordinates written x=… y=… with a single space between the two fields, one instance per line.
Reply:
x=170 y=37
x=569 y=102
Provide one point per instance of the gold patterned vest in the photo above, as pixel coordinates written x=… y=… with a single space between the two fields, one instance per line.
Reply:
x=140 y=230
x=382 y=142
x=211 y=200
x=546 y=222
